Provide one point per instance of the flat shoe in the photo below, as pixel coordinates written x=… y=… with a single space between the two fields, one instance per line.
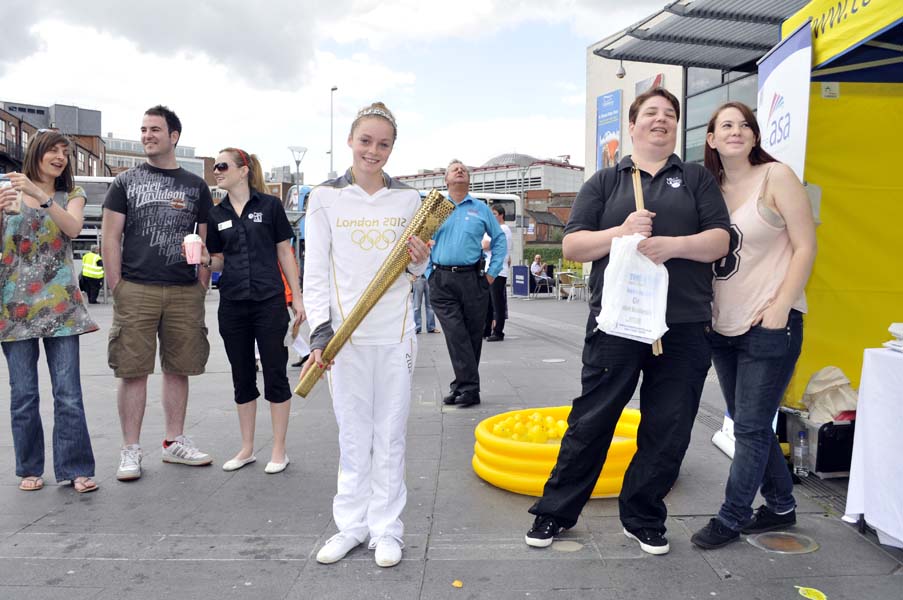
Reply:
x=84 y=484
x=235 y=464
x=31 y=484
x=274 y=467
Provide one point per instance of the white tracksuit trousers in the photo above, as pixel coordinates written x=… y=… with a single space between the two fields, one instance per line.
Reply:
x=371 y=396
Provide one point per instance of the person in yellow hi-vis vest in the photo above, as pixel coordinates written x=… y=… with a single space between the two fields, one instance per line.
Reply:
x=92 y=274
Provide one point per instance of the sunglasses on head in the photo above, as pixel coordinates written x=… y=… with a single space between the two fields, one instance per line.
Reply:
x=223 y=166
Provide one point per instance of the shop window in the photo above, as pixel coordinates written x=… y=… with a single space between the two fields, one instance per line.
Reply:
x=699 y=79
x=695 y=140
x=701 y=106
x=744 y=90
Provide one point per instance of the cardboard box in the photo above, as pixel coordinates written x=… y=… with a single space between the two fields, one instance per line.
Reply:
x=830 y=445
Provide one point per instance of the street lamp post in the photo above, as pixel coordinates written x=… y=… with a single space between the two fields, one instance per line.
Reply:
x=298 y=153
x=332 y=90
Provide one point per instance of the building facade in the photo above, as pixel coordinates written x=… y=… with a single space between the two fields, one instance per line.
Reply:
x=19 y=123
x=705 y=52
x=508 y=174
x=123 y=154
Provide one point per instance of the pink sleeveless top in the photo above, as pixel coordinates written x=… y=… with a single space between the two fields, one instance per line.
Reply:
x=749 y=277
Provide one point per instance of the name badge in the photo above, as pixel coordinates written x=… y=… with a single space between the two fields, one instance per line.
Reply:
x=224 y=225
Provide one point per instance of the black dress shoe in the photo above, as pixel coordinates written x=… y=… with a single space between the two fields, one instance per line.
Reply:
x=300 y=361
x=467 y=399
x=495 y=338
x=451 y=398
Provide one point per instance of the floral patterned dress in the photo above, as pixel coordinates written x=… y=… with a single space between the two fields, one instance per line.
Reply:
x=38 y=283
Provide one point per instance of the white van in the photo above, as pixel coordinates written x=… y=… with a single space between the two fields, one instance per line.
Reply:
x=95 y=192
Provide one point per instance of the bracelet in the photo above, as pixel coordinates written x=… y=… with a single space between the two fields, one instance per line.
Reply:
x=209 y=263
x=47 y=204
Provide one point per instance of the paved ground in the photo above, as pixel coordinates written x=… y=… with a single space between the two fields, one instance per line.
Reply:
x=182 y=532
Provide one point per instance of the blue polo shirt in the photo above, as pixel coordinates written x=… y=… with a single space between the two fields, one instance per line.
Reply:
x=459 y=241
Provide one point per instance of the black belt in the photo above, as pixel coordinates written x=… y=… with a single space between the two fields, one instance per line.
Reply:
x=455 y=269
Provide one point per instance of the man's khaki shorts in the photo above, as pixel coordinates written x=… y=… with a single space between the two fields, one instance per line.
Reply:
x=142 y=312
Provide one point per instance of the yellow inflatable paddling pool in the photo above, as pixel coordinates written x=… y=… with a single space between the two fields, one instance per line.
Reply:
x=517 y=450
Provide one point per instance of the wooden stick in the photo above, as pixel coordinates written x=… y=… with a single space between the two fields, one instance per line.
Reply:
x=640 y=205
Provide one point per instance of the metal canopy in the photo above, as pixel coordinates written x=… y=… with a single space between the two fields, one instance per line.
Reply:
x=713 y=34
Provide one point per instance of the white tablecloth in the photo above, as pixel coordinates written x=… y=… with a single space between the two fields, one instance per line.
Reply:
x=876 y=471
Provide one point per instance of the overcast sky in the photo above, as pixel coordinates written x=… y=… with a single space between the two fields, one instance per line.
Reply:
x=469 y=79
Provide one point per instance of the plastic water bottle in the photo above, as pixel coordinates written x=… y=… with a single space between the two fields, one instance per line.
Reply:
x=801 y=455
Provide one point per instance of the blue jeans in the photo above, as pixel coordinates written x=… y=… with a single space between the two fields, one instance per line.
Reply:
x=754 y=369
x=72 y=453
x=421 y=295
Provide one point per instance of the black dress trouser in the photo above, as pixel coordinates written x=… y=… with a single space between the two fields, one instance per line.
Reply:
x=669 y=398
x=459 y=301
x=498 y=308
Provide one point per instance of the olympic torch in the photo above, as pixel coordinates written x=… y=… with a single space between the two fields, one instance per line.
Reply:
x=433 y=211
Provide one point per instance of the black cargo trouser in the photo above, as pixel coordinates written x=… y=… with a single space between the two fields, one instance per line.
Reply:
x=669 y=398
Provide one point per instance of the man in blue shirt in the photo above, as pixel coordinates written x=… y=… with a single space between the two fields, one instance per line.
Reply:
x=459 y=287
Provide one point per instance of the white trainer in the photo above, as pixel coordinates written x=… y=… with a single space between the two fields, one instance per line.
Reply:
x=336 y=548
x=184 y=452
x=388 y=550
x=129 y=463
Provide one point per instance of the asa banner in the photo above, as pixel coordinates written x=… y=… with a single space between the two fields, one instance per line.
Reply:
x=783 y=100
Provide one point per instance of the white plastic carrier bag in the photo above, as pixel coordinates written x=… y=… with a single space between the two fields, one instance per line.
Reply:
x=634 y=293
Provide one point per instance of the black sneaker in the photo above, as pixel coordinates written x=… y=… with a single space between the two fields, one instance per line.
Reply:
x=714 y=535
x=467 y=399
x=765 y=519
x=651 y=541
x=451 y=398
x=543 y=532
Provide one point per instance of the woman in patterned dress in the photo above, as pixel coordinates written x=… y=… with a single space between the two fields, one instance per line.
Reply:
x=41 y=301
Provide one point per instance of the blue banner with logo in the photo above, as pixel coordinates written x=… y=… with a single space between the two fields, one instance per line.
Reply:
x=608 y=129
x=520 y=282
x=783 y=101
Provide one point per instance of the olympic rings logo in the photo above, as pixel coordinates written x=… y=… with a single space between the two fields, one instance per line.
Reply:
x=373 y=238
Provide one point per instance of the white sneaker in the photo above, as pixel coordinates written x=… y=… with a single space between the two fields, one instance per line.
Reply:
x=388 y=550
x=336 y=548
x=129 y=463
x=184 y=452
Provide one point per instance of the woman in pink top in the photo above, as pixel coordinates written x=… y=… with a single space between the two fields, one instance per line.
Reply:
x=757 y=317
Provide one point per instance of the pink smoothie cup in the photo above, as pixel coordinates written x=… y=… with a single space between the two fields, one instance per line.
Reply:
x=193 y=244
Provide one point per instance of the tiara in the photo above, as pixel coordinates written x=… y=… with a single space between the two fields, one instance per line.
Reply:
x=375 y=111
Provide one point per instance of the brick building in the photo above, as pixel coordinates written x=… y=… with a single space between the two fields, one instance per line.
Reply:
x=20 y=122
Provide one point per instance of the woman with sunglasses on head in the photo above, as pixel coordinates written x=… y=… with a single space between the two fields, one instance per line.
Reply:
x=352 y=225
x=248 y=240
x=41 y=301
x=757 y=317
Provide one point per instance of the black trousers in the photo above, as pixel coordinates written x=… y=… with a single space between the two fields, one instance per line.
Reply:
x=241 y=323
x=498 y=308
x=91 y=287
x=669 y=399
x=459 y=301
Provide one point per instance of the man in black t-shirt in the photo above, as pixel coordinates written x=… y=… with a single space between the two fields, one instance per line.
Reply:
x=147 y=212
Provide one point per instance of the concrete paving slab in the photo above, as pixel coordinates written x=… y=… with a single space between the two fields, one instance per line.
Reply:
x=203 y=533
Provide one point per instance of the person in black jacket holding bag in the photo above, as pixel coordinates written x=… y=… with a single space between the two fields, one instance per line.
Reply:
x=686 y=228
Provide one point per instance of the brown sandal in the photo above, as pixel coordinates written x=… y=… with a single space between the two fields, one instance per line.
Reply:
x=83 y=485
x=31 y=483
